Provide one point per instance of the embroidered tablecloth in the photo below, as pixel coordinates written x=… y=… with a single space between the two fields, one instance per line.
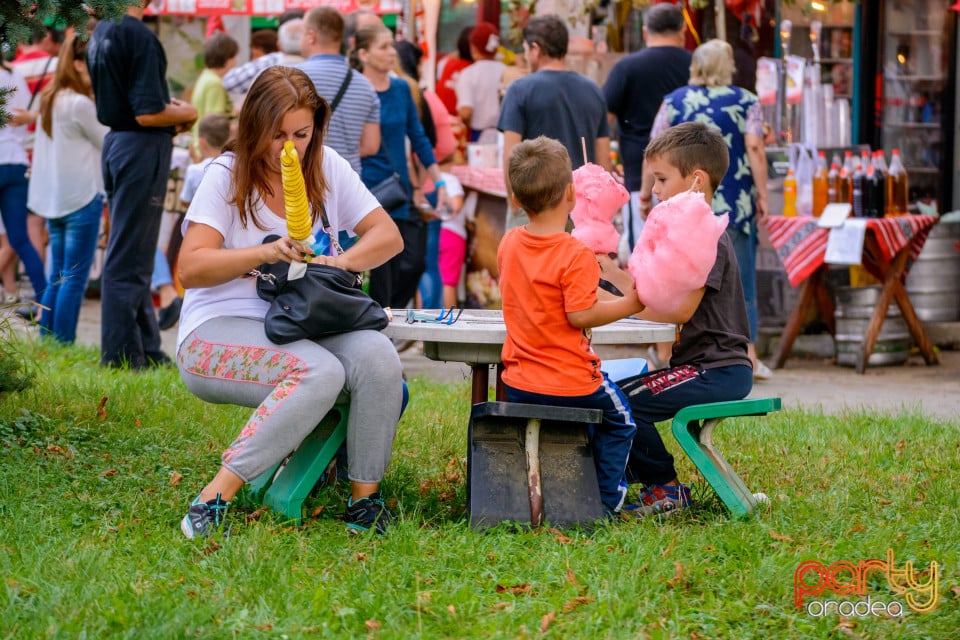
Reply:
x=486 y=179
x=801 y=245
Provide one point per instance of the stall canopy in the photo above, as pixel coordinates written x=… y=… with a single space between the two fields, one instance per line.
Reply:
x=263 y=7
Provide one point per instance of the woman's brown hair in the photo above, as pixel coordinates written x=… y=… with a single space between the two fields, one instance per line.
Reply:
x=276 y=92
x=65 y=76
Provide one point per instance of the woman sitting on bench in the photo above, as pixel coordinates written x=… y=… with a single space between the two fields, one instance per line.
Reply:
x=223 y=353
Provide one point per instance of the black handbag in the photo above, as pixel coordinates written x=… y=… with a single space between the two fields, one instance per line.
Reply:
x=325 y=301
x=390 y=193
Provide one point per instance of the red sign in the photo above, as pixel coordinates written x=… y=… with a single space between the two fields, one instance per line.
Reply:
x=263 y=7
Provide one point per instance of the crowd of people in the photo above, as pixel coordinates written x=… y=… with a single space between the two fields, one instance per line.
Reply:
x=349 y=97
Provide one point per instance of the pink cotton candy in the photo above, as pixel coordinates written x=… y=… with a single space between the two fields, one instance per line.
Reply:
x=676 y=251
x=599 y=197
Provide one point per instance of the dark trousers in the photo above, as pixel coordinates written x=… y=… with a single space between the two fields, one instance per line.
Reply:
x=395 y=283
x=659 y=395
x=136 y=166
x=610 y=439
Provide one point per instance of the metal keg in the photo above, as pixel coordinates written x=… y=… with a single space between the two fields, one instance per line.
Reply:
x=854 y=307
x=933 y=282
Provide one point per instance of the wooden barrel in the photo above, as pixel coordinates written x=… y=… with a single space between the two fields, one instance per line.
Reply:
x=854 y=306
x=933 y=282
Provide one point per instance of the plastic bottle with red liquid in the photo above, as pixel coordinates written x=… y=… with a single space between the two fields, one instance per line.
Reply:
x=876 y=189
x=858 y=183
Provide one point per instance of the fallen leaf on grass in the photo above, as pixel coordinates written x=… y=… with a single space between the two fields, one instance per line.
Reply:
x=372 y=625
x=901 y=444
x=102 y=408
x=256 y=515
x=500 y=606
x=316 y=512
x=108 y=473
x=515 y=589
x=546 y=620
x=955 y=591
x=212 y=546
x=579 y=601
x=562 y=539
x=572 y=578
x=175 y=479
x=780 y=537
x=855 y=529
x=677 y=575
x=60 y=451
x=137 y=423
x=359 y=556
x=452 y=610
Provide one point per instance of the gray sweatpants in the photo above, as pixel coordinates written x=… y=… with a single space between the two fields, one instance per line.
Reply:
x=291 y=387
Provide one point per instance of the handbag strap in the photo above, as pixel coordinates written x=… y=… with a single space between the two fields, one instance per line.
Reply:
x=39 y=84
x=343 y=90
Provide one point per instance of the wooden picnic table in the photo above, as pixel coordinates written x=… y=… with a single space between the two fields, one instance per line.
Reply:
x=477 y=337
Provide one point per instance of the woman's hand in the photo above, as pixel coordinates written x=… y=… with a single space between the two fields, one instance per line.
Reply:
x=285 y=249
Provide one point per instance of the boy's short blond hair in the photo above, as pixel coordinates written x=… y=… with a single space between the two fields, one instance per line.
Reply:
x=539 y=171
x=689 y=146
x=215 y=129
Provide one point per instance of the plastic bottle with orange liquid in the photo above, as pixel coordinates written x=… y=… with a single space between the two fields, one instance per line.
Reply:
x=846 y=175
x=790 y=195
x=897 y=203
x=821 y=185
x=833 y=183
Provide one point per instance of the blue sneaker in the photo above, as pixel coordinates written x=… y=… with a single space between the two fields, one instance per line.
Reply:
x=367 y=513
x=660 y=498
x=204 y=518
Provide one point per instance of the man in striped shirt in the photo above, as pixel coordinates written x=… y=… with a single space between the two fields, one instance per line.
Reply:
x=354 y=128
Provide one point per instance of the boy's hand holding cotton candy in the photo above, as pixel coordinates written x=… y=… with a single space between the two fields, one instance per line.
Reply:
x=599 y=197
x=676 y=251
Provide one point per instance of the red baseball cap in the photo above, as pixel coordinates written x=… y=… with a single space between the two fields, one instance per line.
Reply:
x=485 y=37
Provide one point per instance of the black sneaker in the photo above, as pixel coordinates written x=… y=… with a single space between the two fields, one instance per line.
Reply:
x=367 y=513
x=204 y=518
x=167 y=316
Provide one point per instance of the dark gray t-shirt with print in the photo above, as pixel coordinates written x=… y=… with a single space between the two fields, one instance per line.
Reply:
x=717 y=333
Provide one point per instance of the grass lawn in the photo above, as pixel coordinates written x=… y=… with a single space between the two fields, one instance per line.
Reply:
x=98 y=466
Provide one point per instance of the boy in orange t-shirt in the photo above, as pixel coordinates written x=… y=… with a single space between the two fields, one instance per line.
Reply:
x=548 y=282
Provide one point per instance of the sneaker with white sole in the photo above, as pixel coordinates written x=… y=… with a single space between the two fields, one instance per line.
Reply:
x=204 y=518
x=761 y=371
x=660 y=498
x=367 y=513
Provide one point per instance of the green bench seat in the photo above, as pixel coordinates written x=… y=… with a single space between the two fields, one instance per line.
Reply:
x=693 y=429
x=284 y=486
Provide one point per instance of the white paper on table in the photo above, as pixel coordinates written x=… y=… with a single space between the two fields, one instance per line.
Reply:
x=845 y=243
x=834 y=214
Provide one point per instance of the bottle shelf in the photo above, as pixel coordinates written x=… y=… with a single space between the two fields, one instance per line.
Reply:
x=914 y=125
x=918 y=32
x=917 y=78
x=922 y=170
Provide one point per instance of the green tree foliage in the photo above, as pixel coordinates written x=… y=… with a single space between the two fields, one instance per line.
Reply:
x=19 y=19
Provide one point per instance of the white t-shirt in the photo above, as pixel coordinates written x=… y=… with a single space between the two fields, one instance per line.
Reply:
x=191 y=179
x=347 y=203
x=13 y=140
x=457 y=223
x=66 y=171
x=479 y=88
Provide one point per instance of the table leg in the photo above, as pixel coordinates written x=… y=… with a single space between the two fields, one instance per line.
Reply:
x=795 y=321
x=501 y=388
x=480 y=382
x=893 y=290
